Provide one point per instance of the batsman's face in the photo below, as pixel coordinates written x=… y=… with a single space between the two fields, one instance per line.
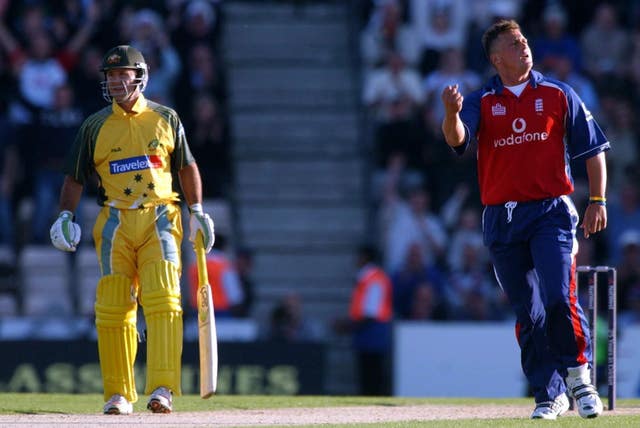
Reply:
x=122 y=84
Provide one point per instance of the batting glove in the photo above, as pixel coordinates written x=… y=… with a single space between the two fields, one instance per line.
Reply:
x=65 y=234
x=199 y=221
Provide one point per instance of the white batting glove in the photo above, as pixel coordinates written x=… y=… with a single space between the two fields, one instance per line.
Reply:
x=65 y=234
x=199 y=221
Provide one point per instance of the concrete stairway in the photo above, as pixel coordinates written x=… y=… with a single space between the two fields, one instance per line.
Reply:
x=299 y=177
x=300 y=196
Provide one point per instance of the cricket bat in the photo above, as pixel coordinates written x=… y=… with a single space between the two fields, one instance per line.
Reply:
x=207 y=337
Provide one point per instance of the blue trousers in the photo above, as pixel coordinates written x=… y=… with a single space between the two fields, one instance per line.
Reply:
x=533 y=247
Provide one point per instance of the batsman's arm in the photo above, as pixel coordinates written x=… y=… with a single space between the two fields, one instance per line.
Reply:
x=70 y=194
x=191 y=183
x=199 y=220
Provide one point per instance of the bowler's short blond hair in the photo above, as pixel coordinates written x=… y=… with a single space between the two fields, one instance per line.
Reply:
x=492 y=33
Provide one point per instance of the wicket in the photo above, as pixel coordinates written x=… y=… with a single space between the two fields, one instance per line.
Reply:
x=592 y=286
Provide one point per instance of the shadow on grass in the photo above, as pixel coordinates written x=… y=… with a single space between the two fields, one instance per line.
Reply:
x=38 y=412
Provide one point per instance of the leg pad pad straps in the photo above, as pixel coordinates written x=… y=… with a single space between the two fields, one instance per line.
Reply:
x=160 y=299
x=117 y=335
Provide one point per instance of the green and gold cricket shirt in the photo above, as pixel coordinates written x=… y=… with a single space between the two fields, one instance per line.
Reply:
x=135 y=155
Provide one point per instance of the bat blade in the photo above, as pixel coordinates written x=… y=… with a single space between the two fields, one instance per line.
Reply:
x=207 y=336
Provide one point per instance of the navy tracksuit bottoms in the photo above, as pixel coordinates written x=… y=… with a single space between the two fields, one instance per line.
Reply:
x=533 y=247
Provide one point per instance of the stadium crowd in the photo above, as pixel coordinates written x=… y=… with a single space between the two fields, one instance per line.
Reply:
x=50 y=58
x=425 y=197
x=50 y=81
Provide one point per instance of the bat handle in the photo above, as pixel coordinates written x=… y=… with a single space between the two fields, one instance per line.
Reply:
x=201 y=259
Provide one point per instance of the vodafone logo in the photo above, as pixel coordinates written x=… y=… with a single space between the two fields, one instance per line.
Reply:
x=518 y=125
x=519 y=136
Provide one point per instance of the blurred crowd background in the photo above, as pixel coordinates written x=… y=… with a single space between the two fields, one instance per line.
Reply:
x=423 y=197
x=49 y=71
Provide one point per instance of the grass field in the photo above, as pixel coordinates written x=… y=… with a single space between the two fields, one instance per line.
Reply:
x=300 y=411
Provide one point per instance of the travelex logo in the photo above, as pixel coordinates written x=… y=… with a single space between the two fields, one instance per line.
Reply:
x=519 y=126
x=135 y=164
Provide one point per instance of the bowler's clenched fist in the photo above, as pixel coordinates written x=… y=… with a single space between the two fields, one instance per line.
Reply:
x=452 y=99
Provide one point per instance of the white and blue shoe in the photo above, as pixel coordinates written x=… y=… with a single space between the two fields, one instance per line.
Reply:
x=551 y=409
x=584 y=393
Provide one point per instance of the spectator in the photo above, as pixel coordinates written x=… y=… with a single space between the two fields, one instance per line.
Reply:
x=578 y=13
x=427 y=304
x=55 y=129
x=86 y=77
x=38 y=71
x=563 y=68
x=370 y=316
x=202 y=74
x=395 y=96
x=115 y=21
x=67 y=17
x=244 y=266
x=42 y=67
x=288 y=324
x=223 y=279
x=150 y=36
x=605 y=46
x=209 y=140
x=386 y=31
x=621 y=128
x=406 y=281
x=440 y=25
x=412 y=221
x=629 y=278
x=8 y=165
x=468 y=231
x=198 y=24
x=555 y=42
x=452 y=209
x=634 y=60
x=624 y=215
x=472 y=292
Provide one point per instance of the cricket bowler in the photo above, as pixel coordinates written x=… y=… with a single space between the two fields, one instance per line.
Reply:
x=528 y=128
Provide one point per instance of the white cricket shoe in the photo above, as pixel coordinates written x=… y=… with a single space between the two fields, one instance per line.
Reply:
x=118 y=405
x=586 y=395
x=551 y=409
x=161 y=400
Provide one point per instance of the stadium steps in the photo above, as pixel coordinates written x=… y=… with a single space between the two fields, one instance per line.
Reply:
x=299 y=195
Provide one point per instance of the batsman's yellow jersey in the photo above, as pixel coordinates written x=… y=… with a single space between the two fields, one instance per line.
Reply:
x=134 y=154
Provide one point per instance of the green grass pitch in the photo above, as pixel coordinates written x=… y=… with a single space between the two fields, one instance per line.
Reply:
x=57 y=404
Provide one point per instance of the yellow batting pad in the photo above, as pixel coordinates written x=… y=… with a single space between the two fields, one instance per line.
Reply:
x=160 y=299
x=117 y=336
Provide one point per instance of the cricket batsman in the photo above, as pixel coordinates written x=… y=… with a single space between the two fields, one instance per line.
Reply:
x=134 y=146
